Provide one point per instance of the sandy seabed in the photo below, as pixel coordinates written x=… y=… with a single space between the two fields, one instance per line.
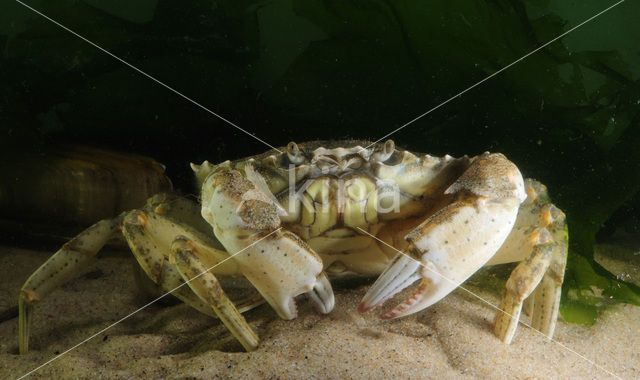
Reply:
x=449 y=340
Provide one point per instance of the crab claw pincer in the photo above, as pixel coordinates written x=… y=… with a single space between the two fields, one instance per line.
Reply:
x=403 y=271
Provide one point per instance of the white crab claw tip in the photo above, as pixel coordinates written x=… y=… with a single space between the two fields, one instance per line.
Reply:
x=288 y=309
x=400 y=273
x=322 y=295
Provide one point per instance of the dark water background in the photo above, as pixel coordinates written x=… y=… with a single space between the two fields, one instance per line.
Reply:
x=568 y=115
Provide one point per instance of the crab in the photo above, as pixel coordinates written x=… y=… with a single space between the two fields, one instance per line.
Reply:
x=291 y=218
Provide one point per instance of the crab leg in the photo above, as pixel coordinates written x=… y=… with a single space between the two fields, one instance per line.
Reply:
x=150 y=236
x=540 y=237
x=206 y=286
x=455 y=242
x=523 y=280
x=60 y=268
x=277 y=262
x=172 y=254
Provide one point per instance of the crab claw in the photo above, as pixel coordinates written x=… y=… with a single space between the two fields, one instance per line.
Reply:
x=452 y=244
x=276 y=261
x=443 y=251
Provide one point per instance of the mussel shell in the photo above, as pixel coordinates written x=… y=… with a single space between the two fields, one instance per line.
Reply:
x=78 y=185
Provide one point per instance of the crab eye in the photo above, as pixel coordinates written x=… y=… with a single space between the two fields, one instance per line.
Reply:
x=387 y=150
x=294 y=154
x=389 y=147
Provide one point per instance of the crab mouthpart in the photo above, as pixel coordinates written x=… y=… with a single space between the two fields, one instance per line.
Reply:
x=399 y=274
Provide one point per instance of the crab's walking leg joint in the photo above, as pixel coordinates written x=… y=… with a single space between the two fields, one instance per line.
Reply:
x=280 y=266
x=151 y=236
x=172 y=254
x=60 y=268
x=205 y=285
x=539 y=240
